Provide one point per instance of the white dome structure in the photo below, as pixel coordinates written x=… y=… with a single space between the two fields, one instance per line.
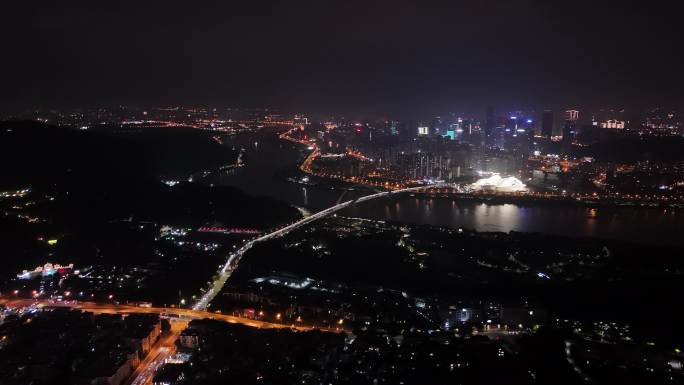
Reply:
x=496 y=183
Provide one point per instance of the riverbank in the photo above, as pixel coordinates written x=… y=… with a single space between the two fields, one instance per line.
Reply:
x=526 y=200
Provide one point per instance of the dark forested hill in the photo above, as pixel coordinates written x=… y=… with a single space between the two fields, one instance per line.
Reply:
x=102 y=176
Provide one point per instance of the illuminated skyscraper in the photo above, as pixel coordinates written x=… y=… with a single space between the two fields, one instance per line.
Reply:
x=436 y=126
x=490 y=121
x=451 y=132
x=423 y=131
x=571 y=116
x=570 y=126
x=569 y=131
x=392 y=127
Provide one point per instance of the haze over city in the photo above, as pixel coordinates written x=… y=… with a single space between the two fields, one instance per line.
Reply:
x=383 y=192
x=361 y=59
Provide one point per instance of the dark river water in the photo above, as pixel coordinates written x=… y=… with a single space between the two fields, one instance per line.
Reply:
x=269 y=159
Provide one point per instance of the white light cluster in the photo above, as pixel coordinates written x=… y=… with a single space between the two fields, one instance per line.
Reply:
x=499 y=184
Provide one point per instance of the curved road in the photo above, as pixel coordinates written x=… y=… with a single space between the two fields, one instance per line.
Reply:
x=180 y=314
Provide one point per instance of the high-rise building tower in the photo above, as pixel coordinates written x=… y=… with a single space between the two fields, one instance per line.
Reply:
x=547 y=124
x=423 y=130
x=436 y=126
x=391 y=127
x=570 y=126
x=571 y=116
x=569 y=131
x=490 y=121
x=408 y=130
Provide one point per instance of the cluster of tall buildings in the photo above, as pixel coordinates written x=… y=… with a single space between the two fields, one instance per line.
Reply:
x=451 y=146
x=425 y=165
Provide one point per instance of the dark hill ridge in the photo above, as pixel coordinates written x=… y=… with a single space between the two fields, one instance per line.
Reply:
x=39 y=154
x=174 y=153
x=45 y=150
x=100 y=177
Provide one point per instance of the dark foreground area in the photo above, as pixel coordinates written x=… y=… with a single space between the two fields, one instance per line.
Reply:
x=96 y=199
x=405 y=304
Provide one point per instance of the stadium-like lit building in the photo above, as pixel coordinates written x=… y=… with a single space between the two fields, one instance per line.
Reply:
x=496 y=183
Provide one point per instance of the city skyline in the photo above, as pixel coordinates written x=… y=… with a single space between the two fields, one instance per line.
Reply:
x=343 y=193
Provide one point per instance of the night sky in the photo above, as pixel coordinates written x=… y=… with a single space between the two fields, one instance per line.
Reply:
x=382 y=58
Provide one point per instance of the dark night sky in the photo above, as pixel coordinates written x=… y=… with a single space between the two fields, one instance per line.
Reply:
x=368 y=57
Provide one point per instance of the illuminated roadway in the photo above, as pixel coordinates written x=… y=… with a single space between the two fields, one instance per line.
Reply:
x=172 y=313
x=234 y=257
x=157 y=356
x=165 y=347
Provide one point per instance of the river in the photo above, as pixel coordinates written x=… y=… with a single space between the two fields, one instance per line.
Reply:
x=269 y=158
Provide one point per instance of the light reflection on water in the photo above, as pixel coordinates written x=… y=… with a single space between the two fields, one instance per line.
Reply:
x=265 y=161
x=638 y=224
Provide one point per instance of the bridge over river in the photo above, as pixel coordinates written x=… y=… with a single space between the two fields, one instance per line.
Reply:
x=234 y=257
